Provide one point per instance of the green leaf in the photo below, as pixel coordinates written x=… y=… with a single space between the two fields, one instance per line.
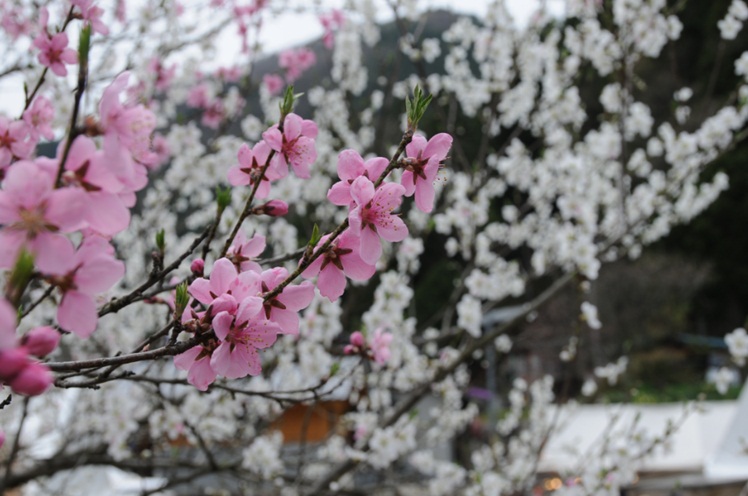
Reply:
x=84 y=46
x=286 y=105
x=334 y=369
x=416 y=107
x=223 y=198
x=315 y=236
x=161 y=241
x=181 y=300
x=20 y=276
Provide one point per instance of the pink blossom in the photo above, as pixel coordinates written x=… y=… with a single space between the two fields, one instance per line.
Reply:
x=127 y=127
x=41 y=341
x=90 y=170
x=350 y=167
x=341 y=259
x=92 y=14
x=370 y=216
x=222 y=278
x=93 y=270
x=197 y=267
x=283 y=309
x=331 y=22
x=422 y=165
x=242 y=251
x=273 y=83
x=32 y=380
x=39 y=117
x=213 y=114
x=274 y=208
x=161 y=149
x=229 y=74
x=199 y=96
x=249 y=170
x=380 y=346
x=53 y=50
x=16 y=140
x=295 y=145
x=196 y=361
x=241 y=336
x=296 y=62
x=163 y=75
x=34 y=213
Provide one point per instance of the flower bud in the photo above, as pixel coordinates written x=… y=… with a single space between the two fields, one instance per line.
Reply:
x=358 y=340
x=275 y=208
x=12 y=362
x=33 y=380
x=41 y=341
x=198 y=267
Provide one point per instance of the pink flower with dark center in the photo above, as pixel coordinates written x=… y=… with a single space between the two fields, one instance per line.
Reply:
x=33 y=213
x=196 y=361
x=350 y=167
x=295 y=145
x=242 y=251
x=241 y=336
x=39 y=117
x=422 y=164
x=53 y=50
x=371 y=216
x=341 y=259
x=249 y=170
x=283 y=309
x=16 y=140
x=92 y=14
x=87 y=168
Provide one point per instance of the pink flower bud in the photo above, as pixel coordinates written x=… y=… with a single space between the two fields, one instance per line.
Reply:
x=12 y=362
x=41 y=341
x=275 y=208
x=357 y=339
x=198 y=267
x=33 y=380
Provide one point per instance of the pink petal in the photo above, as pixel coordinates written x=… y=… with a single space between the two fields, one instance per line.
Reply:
x=262 y=334
x=416 y=146
x=66 y=208
x=425 y=196
x=331 y=282
x=297 y=297
x=237 y=177
x=99 y=275
x=350 y=165
x=53 y=253
x=292 y=127
x=222 y=324
x=375 y=167
x=408 y=182
x=244 y=155
x=248 y=308
x=77 y=314
x=309 y=128
x=393 y=230
x=201 y=374
x=223 y=275
x=184 y=361
x=106 y=214
x=287 y=320
x=200 y=290
x=340 y=194
x=273 y=138
x=362 y=191
x=313 y=268
x=438 y=146
x=371 y=247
